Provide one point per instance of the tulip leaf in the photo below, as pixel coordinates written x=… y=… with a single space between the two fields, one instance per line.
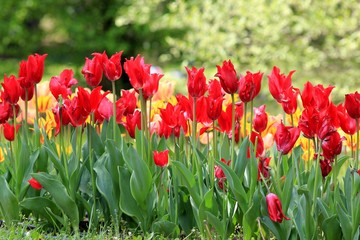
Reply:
x=57 y=163
x=60 y=195
x=345 y=223
x=331 y=228
x=9 y=205
x=241 y=160
x=105 y=186
x=41 y=206
x=140 y=181
x=273 y=227
x=208 y=204
x=250 y=216
x=166 y=228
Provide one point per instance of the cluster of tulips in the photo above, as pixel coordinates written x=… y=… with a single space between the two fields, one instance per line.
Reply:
x=166 y=164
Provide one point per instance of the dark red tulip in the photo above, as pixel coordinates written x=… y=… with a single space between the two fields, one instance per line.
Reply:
x=228 y=78
x=309 y=122
x=255 y=138
x=112 y=66
x=161 y=159
x=325 y=166
x=352 y=104
x=35 y=184
x=260 y=119
x=249 y=86
x=279 y=83
x=263 y=168
x=316 y=96
x=331 y=145
x=214 y=107
x=196 y=82
x=93 y=70
x=275 y=208
x=285 y=138
x=12 y=89
x=219 y=174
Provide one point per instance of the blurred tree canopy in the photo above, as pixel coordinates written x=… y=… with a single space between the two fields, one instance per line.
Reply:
x=320 y=39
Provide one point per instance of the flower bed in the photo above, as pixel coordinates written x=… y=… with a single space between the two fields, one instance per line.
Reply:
x=167 y=164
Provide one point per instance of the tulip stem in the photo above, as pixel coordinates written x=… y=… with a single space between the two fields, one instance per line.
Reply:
x=114 y=109
x=93 y=214
x=16 y=163
x=212 y=160
x=143 y=123
x=316 y=182
x=352 y=146
x=196 y=160
x=357 y=144
x=251 y=115
x=26 y=115
x=245 y=119
x=232 y=130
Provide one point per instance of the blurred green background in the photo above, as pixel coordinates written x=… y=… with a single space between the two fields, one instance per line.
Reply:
x=319 y=39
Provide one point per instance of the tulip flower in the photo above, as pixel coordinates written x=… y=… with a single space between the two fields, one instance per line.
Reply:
x=93 y=70
x=151 y=85
x=138 y=71
x=255 y=138
x=127 y=101
x=112 y=66
x=12 y=89
x=214 y=107
x=32 y=70
x=196 y=82
x=5 y=111
x=285 y=138
x=263 y=168
x=347 y=123
x=132 y=121
x=249 y=86
x=228 y=78
x=220 y=175
x=279 y=83
x=61 y=85
x=260 y=119
x=331 y=145
x=275 y=208
x=316 y=96
x=9 y=131
x=289 y=100
x=352 y=104
x=35 y=184
x=309 y=122
x=161 y=159
x=325 y=166
x=215 y=90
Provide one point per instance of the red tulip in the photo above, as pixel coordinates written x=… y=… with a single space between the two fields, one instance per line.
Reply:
x=112 y=67
x=352 y=104
x=316 y=96
x=61 y=85
x=138 y=71
x=214 y=107
x=132 y=121
x=275 y=208
x=285 y=138
x=9 y=131
x=347 y=123
x=32 y=70
x=93 y=70
x=196 y=82
x=174 y=117
x=249 y=86
x=263 y=168
x=331 y=145
x=12 y=89
x=215 y=90
x=5 y=111
x=219 y=174
x=309 y=122
x=104 y=111
x=279 y=83
x=35 y=184
x=260 y=119
x=151 y=85
x=165 y=131
x=256 y=138
x=325 y=166
x=161 y=159
x=289 y=100
x=228 y=79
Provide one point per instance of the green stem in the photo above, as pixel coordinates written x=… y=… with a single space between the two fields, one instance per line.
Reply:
x=232 y=130
x=175 y=182
x=114 y=109
x=316 y=182
x=357 y=144
x=335 y=172
x=245 y=119
x=92 y=173
x=352 y=146
x=251 y=114
x=143 y=123
x=62 y=148
x=213 y=158
x=36 y=105
x=292 y=120
x=149 y=129
x=196 y=160
x=14 y=149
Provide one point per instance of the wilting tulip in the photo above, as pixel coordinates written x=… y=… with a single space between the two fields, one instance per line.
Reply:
x=275 y=208
x=249 y=86
x=279 y=83
x=93 y=70
x=35 y=184
x=112 y=66
x=228 y=79
x=263 y=168
x=161 y=159
x=285 y=138
x=196 y=82
x=352 y=104
x=12 y=89
x=260 y=119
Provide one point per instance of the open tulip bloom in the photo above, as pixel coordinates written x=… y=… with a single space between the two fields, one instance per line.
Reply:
x=164 y=164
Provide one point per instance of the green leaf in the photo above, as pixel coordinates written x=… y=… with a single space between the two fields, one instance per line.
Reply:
x=9 y=205
x=208 y=204
x=345 y=223
x=331 y=228
x=60 y=195
x=250 y=216
x=166 y=228
x=41 y=206
x=57 y=163
x=189 y=181
x=105 y=186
